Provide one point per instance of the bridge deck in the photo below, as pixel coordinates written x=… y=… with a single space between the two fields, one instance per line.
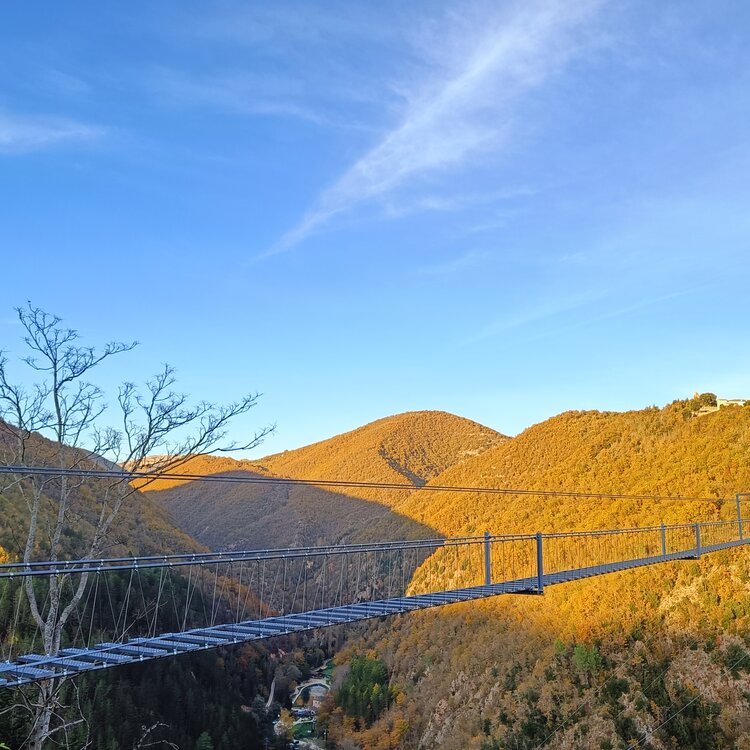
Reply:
x=72 y=661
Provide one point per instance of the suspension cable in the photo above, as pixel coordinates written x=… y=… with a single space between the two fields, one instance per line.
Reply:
x=124 y=475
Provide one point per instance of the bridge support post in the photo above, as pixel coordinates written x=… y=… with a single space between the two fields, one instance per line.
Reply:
x=739 y=513
x=697 y=540
x=487 y=560
x=539 y=564
x=663 y=541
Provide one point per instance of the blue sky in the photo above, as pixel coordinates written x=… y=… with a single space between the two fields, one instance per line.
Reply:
x=504 y=210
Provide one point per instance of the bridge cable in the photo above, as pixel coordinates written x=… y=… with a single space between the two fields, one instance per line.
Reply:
x=123 y=475
x=623 y=708
x=649 y=733
x=584 y=703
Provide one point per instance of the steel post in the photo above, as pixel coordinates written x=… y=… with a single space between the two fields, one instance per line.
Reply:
x=697 y=540
x=487 y=560
x=539 y=565
x=739 y=513
x=663 y=541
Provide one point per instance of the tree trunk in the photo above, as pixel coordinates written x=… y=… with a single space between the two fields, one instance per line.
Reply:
x=41 y=729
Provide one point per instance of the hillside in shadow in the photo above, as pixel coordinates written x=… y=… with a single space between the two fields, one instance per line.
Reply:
x=408 y=449
x=226 y=516
x=109 y=709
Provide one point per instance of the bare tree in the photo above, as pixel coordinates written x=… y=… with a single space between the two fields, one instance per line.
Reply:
x=159 y=429
x=144 y=742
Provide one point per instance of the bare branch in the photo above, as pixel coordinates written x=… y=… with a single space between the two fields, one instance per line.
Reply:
x=59 y=422
x=148 y=731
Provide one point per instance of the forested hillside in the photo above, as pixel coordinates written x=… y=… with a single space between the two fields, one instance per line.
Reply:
x=596 y=663
x=600 y=663
x=172 y=701
x=653 y=451
x=410 y=448
x=143 y=528
x=186 y=696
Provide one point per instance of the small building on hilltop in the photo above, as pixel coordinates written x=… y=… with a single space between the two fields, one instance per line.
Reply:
x=707 y=403
x=731 y=402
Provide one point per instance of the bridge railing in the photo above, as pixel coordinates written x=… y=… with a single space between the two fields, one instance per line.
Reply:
x=576 y=550
x=611 y=549
x=129 y=597
x=475 y=562
x=719 y=533
x=143 y=596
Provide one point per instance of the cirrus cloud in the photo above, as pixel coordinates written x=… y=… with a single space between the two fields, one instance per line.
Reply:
x=22 y=134
x=479 y=69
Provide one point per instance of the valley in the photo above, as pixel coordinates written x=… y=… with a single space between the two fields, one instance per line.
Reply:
x=650 y=451
x=601 y=659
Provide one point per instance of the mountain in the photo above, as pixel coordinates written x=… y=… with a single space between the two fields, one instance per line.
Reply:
x=652 y=658
x=413 y=447
x=598 y=663
x=410 y=448
x=143 y=527
x=651 y=451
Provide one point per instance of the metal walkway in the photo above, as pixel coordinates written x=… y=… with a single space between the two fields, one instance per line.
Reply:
x=72 y=661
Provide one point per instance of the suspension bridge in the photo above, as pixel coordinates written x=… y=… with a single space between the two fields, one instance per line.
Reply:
x=141 y=608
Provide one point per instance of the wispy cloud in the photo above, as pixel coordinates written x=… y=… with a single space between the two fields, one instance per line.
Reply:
x=549 y=309
x=24 y=134
x=291 y=24
x=400 y=205
x=464 y=262
x=603 y=314
x=238 y=92
x=65 y=83
x=321 y=63
x=498 y=220
x=463 y=111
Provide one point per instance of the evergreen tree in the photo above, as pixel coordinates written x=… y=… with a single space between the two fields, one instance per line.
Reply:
x=364 y=693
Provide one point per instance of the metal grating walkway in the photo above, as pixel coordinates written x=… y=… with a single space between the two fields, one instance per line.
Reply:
x=72 y=661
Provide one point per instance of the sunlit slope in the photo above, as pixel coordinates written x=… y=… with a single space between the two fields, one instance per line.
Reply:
x=142 y=527
x=407 y=448
x=203 y=465
x=413 y=448
x=593 y=663
x=652 y=451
